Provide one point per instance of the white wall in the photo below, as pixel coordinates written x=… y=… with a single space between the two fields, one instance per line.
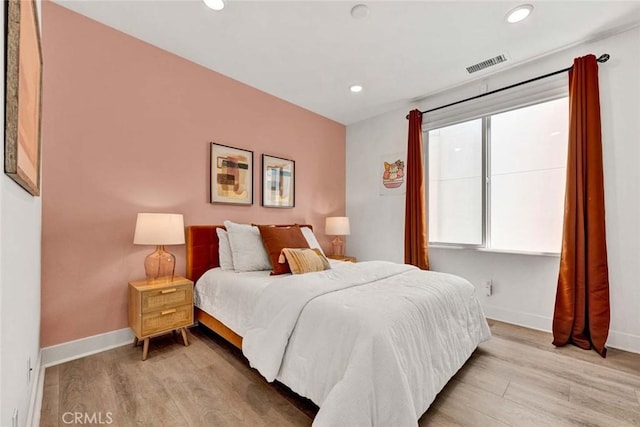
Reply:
x=20 y=215
x=524 y=285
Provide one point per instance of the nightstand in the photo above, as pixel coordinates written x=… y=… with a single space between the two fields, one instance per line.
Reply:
x=158 y=307
x=342 y=258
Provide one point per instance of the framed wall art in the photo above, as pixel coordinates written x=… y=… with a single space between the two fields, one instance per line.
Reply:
x=23 y=94
x=231 y=175
x=278 y=182
x=391 y=178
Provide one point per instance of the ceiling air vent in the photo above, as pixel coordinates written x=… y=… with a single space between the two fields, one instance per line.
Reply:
x=486 y=63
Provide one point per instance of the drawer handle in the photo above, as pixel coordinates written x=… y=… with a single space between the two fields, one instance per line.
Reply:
x=168 y=291
x=173 y=310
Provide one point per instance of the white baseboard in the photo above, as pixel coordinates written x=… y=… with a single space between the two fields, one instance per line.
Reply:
x=35 y=402
x=624 y=341
x=531 y=321
x=72 y=350
x=619 y=340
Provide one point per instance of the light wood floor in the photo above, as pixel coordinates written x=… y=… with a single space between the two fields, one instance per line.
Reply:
x=516 y=379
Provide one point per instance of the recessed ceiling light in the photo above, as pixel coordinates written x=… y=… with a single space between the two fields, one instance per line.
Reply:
x=215 y=4
x=355 y=88
x=359 y=11
x=519 y=13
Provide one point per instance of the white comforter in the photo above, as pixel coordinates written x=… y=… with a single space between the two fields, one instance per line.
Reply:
x=371 y=343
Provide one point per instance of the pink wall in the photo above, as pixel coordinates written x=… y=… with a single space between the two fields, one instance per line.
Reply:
x=126 y=129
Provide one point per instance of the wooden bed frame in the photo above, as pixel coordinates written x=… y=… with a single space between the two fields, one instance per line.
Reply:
x=202 y=255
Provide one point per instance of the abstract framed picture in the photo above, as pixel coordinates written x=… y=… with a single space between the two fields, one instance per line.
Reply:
x=23 y=94
x=231 y=175
x=278 y=182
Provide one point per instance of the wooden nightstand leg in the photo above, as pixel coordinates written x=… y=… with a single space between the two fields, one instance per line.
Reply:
x=184 y=336
x=135 y=342
x=145 y=349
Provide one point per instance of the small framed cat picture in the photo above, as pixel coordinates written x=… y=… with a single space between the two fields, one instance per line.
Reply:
x=391 y=175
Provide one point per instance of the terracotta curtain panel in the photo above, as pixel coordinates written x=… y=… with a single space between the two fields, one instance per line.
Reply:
x=415 y=224
x=581 y=313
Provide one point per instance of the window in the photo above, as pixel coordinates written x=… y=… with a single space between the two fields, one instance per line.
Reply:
x=455 y=183
x=498 y=181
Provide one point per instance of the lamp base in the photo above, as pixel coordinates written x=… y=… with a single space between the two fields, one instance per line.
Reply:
x=160 y=265
x=337 y=246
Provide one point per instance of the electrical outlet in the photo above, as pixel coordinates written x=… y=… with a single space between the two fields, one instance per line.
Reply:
x=14 y=418
x=488 y=287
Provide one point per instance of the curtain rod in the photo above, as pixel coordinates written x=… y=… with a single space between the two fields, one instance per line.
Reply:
x=603 y=58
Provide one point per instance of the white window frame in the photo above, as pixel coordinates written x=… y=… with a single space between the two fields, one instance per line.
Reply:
x=538 y=92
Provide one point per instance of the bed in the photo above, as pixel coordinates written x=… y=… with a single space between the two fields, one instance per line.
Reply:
x=371 y=344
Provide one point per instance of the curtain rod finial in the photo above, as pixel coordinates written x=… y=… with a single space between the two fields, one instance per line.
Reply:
x=604 y=57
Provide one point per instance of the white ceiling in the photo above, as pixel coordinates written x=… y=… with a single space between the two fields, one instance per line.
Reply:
x=310 y=52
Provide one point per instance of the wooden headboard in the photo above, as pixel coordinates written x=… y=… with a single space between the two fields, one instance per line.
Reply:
x=202 y=248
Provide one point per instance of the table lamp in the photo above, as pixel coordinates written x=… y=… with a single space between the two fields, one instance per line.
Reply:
x=159 y=229
x=337 y=226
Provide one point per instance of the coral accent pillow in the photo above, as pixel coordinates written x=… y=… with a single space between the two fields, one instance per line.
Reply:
x=305 y=260
x=275 y=239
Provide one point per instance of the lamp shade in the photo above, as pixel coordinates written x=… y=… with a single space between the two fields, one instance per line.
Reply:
x=337 y=226
x=159 y=229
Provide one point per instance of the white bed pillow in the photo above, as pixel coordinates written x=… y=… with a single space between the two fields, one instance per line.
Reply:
x=224 y=250
x=247 y=250
x=311 y=238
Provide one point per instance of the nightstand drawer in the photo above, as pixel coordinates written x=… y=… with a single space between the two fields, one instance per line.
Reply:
x=165 y=298
x=164 y=320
